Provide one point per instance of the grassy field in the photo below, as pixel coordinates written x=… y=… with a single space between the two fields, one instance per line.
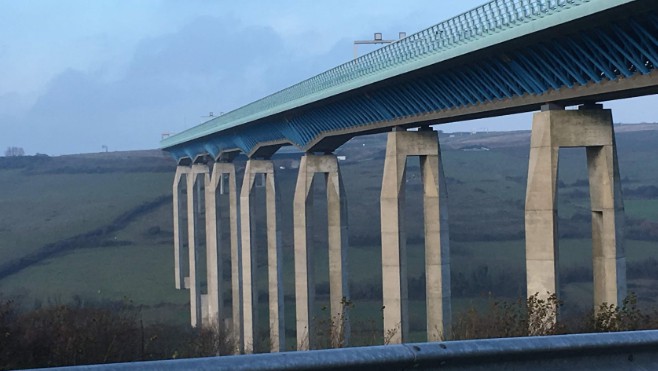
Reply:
x=65 y=197
x=112 y=271
x=43 y=208
x=642 y=209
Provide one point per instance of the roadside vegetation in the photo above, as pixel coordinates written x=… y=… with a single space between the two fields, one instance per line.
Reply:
x=96 y=333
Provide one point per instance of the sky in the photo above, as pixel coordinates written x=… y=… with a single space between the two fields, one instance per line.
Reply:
x=77 y=75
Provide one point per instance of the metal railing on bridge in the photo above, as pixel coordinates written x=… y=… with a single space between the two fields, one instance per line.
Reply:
x=605 y=351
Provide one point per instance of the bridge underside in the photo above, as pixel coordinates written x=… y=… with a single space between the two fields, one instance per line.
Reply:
x=574 y=64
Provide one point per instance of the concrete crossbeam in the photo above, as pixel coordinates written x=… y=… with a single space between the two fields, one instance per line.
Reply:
x=590 y=127
x=275 y=288
x=424 y=144
x=337 y=242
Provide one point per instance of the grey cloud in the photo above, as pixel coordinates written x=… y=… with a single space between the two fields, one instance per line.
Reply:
x=207 y=65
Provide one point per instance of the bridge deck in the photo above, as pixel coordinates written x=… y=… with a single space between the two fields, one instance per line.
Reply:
x=504 y=56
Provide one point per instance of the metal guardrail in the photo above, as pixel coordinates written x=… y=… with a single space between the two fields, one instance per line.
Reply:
x=484 y=20
x=637 y=350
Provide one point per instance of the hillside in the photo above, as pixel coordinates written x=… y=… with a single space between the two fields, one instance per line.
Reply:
x=97 y=227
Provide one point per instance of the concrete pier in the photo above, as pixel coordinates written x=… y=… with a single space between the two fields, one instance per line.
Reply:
x=215 y=183
x=275 y=288
x=195 y=179
x=180 y=271
x=425 y=144
x=236 y=257
x=214 y=301
x=310 y=165
x=590 y=127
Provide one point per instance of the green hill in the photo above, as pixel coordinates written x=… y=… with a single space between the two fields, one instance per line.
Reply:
x=98 y=227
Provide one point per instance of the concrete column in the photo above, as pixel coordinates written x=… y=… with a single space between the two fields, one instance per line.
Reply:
x=179 y=273
x=541 y=211
x=250 y=294
x=193 y=216
x=213 y=254
x=590 y=127
x=338 y=234
x=437 y=247
x=425 y=144
x=609 y=262
x=220 y=169
x=394 y=244
x=337 y=242
x=304 y=272
x=274 y=266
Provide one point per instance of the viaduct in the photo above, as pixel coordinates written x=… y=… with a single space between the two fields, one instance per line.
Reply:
x=503 y=57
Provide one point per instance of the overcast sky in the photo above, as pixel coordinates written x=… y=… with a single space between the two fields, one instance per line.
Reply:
x=76 y=74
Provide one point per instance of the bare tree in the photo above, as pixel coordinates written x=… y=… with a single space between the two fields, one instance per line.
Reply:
x=14 y=152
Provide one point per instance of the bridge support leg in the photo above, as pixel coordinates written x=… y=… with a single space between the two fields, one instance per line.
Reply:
x=337 y=240
x=250 y=292
x=194 y=209
x=214 y=249
x=589 y=127
x=437 y=247
x=424 y=144
x=213 y=256
x=609 y=261
x=179 y=243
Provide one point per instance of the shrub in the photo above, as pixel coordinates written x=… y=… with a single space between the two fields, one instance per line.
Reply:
x=67 y=335
x=532 y=317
